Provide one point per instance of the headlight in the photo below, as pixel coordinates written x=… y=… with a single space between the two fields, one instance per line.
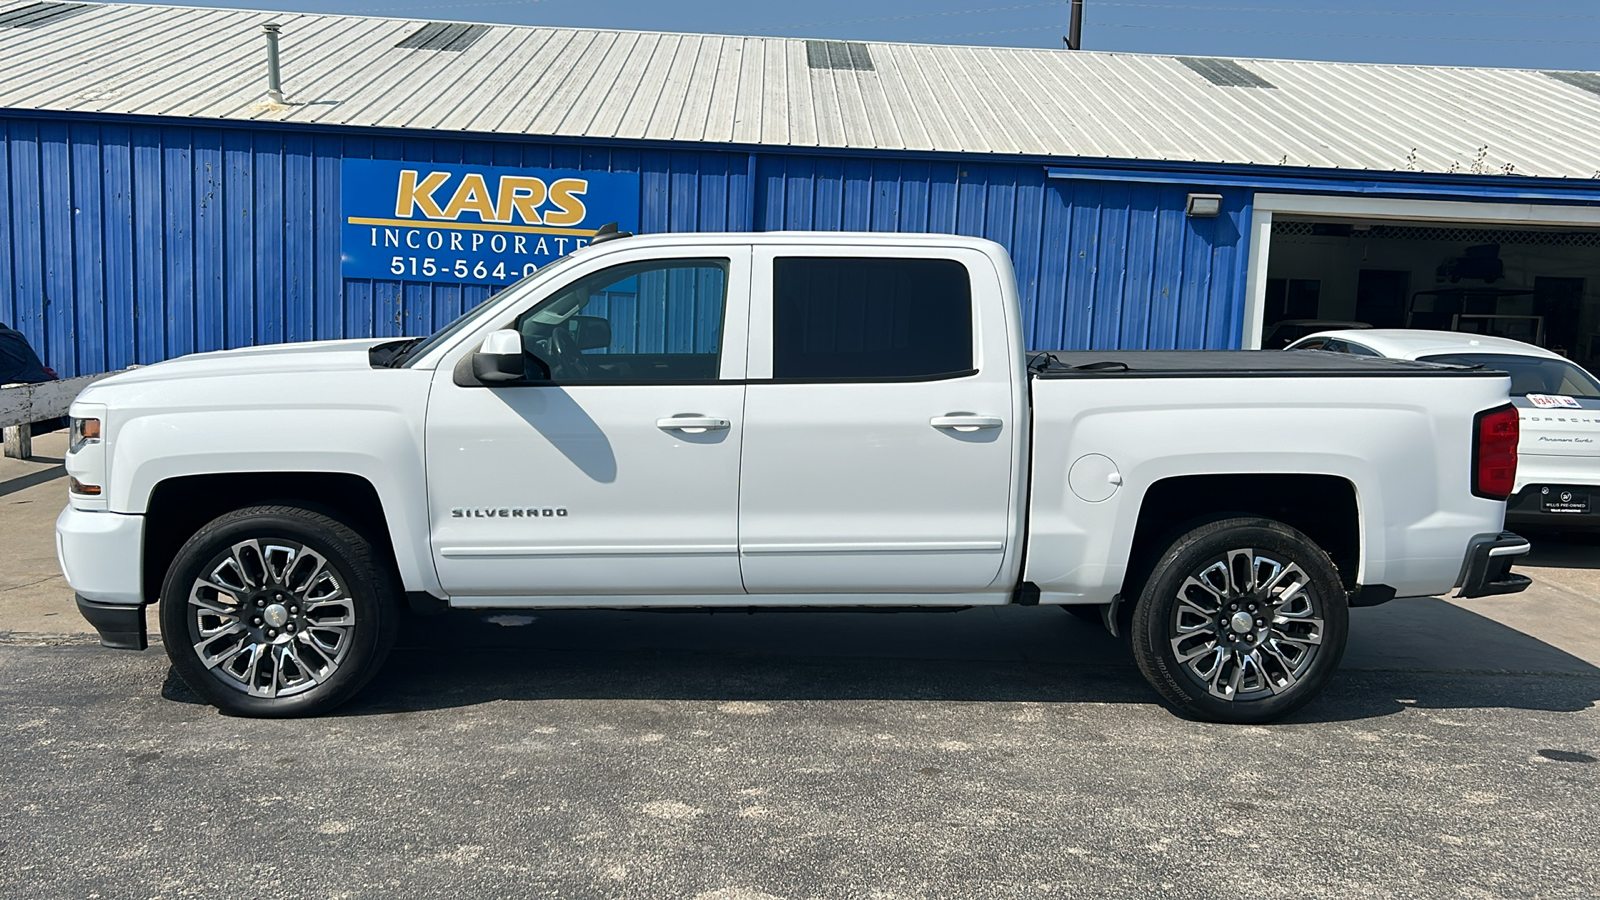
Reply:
x=86 y=454
x=83 y=431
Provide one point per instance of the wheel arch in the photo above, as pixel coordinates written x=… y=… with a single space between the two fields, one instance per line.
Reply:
x=179 y=506
x=1326 y=508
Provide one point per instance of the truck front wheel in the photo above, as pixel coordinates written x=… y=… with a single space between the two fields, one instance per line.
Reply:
x=277 y=611
x=1242 y=620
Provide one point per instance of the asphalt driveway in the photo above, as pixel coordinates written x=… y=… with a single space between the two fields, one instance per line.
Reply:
x=989 y=753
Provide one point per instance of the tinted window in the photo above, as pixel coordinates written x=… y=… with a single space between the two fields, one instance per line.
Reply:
x=1530 y=374
x=654 y=321
x=466 y=319
x=858 y=318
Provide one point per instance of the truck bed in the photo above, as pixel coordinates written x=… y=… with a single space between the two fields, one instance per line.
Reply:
x=1401 y=439
x=1231 y=364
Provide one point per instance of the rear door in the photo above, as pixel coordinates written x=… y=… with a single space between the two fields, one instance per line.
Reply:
x=878 y=443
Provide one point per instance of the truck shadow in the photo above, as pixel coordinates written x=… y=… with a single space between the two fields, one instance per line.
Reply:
x=1425 y=654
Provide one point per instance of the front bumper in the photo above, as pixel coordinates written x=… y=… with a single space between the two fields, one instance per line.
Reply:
x=100 y=555
x=1488 y=566
x=120 y=627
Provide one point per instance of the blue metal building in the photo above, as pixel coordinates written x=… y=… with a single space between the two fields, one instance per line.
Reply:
x=152 y=204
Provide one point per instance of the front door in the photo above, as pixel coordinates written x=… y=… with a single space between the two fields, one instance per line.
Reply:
x=618 y=473
x=879 y=441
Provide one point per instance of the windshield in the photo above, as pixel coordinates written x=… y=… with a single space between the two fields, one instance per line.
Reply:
x=466 y=319
x=1530 y=374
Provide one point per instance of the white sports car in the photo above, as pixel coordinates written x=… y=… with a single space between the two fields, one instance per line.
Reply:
x=1558 y=468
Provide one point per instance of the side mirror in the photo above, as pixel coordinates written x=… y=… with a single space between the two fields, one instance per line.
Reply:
x=500 y=357
x=590 y=332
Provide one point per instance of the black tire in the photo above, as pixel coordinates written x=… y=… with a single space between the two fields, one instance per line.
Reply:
x=1259 y=675
x=345 y=612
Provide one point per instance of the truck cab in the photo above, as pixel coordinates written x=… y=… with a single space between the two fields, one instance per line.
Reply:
x=796 y=419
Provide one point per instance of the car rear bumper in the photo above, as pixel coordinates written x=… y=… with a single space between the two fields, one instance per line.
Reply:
x=1487 y=570
x=1527 y=508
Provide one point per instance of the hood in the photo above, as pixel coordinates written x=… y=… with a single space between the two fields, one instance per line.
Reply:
x=1559 y=431
x=312 y=356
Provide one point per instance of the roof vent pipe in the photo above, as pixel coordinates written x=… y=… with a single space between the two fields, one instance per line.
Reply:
x=274 y=82
x=1075 y=31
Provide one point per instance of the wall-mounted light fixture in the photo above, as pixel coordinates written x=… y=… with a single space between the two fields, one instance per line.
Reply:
x=1205 y=206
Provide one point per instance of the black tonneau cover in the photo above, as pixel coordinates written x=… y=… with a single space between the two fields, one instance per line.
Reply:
x=1231 y=364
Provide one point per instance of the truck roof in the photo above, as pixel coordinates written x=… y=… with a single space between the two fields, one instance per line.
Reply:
x=803 y=238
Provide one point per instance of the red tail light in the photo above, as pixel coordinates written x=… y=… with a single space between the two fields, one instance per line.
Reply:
x=1494 y=452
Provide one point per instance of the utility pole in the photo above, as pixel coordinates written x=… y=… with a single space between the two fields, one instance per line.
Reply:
x=1074 y=37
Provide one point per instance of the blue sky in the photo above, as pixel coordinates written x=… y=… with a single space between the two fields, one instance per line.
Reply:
x=1545 y=34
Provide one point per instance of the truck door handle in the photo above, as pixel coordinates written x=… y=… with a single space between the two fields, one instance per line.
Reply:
x=692 y=424
x=966 y=423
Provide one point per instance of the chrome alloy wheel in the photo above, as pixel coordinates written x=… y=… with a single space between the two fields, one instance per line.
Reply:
x=1246 y=626
x=270 y=618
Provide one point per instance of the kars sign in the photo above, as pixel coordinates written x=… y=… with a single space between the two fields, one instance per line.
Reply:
x=467 y=223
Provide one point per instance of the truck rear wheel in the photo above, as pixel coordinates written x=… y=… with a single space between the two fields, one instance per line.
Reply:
x=1242 y=620
x=277 y=611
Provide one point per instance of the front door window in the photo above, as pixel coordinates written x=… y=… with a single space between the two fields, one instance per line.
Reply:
x=652 y=322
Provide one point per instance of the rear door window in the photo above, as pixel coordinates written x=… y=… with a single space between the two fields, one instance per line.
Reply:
x=868 y=319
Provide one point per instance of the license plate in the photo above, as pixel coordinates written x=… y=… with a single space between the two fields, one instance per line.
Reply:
x=1561 y=500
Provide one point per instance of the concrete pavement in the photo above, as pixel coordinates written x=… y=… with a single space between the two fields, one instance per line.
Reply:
x=35 y=603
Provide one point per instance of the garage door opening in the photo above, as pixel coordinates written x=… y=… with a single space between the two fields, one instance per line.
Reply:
x=1536 y=285
x=1364 y=264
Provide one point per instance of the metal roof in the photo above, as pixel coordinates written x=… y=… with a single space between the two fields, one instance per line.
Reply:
x=573 y=82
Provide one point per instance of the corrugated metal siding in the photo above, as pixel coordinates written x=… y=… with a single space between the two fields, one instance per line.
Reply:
x=1099 y=265
x=585 y=83
x=133 y=244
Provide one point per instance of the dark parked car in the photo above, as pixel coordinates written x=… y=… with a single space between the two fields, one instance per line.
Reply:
x=18 y=363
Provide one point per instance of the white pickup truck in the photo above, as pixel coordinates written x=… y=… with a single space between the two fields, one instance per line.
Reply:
x=777 y=420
